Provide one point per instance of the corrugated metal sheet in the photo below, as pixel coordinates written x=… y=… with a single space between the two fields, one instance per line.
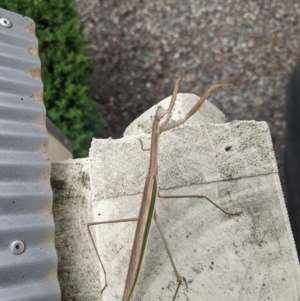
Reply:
x=25 y=191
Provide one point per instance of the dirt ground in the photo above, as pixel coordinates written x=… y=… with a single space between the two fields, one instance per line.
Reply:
x=141 y=47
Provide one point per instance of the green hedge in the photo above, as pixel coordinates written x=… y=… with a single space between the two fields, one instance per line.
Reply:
x=66 y=69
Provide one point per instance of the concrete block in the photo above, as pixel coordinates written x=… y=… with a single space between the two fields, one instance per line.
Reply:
x=78 y=265
x=250 y=257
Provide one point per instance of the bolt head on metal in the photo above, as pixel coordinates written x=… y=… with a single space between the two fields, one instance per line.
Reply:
x=17 y=247
x=5 y=22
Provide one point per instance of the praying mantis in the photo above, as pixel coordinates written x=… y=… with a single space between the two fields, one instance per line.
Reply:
x=150 y=193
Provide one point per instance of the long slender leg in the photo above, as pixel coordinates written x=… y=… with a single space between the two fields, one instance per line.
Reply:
x=172 y=103
x=142 y=146
x=164 y=127
x=169 y=111
x=197 y=196
x=178 y=277
x=94 y=244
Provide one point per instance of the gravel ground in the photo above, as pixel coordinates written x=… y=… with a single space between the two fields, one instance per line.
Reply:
x=140 y=47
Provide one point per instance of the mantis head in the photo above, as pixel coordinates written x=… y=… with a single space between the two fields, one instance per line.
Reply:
x=160 y=113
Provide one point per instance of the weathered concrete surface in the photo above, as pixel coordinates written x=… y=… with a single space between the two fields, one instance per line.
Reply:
x=78 y=266
x=184 y=102
x=251 y=257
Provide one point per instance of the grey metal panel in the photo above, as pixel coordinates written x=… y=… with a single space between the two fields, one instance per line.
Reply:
x=25 y=191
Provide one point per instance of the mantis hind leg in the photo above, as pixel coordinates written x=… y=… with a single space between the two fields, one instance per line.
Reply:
x=99 y=258
x=89 y=225
x=201 y=197
x=178 y=277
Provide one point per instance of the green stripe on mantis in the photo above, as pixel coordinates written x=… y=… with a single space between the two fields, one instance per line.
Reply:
x=146 y=236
